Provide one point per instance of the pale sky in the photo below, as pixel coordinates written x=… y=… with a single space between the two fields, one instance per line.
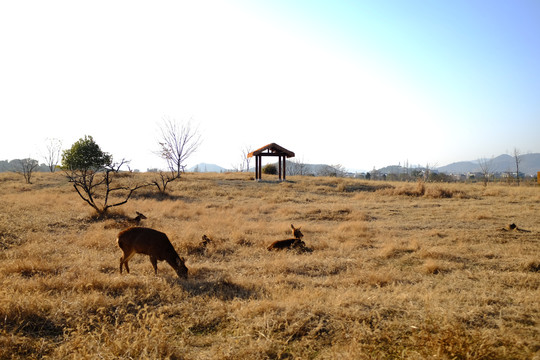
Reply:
x=359 y=83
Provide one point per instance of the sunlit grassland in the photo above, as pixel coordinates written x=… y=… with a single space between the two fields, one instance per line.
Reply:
x=398 y=270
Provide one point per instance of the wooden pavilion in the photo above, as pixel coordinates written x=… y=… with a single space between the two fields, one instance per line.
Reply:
x=271 y=150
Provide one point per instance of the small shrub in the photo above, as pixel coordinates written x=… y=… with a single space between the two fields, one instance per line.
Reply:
x=270 y=169
x=433 y=267
x=406 y=189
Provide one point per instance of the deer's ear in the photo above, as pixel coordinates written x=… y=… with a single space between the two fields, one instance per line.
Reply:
x=292 y=226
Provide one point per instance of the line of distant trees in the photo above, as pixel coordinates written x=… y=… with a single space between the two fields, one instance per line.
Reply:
x=14 y=165
x=27 y=166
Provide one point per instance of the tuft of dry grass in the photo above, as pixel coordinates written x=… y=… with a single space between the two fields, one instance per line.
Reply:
x=532 y=266
x=398 y=270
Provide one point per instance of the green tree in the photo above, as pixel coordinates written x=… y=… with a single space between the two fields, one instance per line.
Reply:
x=85 y=155
x=94 y=176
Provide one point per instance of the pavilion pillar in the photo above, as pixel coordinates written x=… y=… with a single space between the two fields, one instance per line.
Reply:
x=284 y=168
x=258 y=161
x=256 y=167
x=279 y=166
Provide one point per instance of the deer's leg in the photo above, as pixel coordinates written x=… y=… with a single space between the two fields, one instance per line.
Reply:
x=124 y=261
x=153 y=260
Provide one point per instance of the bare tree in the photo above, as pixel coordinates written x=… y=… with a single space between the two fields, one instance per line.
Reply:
x=486 y=167
x=26 y=167
x=53 y=153
x=428 y=169
x=406 y=166
x=332 y=170
x=244 y=160
x=163 y=180
x=517 y=158
x=177 y=143
x=95 y=186
x=375 y=174
x=296 y=167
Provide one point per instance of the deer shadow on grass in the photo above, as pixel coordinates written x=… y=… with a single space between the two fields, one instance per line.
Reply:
x=33 y=324
x=360 y=187
x=153 y=195
x=217 y=284
x=221 y=288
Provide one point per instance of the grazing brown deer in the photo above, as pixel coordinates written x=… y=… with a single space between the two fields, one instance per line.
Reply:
x=140 y=240
x=295 y=243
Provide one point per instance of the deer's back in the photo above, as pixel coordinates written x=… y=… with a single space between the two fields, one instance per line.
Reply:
x=282 y=244
x=146 y=241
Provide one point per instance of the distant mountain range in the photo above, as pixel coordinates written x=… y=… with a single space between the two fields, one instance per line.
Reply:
x=529 y=165
x=306 y=169
x=204 y=167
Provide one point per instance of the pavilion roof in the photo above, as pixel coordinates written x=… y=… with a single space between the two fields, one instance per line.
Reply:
x=272 y=149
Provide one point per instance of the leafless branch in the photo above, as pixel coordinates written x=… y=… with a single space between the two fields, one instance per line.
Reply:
x=177 y=143
x=486 y=166
x=93 y=185
x=26 y=167
x=164 y=180
x=53 y=153
x=517 y=158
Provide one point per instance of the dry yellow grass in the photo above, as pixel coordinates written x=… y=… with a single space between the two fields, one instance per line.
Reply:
x=414 y=271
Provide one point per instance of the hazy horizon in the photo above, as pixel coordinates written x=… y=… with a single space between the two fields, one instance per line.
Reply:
x=193 y=167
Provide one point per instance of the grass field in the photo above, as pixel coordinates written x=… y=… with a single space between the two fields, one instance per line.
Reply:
x=398 y=270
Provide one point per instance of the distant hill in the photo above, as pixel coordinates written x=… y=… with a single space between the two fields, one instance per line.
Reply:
x=204 y=167
x=461 y=167
x=294 y=168
x=394 y=169
x=529 y=165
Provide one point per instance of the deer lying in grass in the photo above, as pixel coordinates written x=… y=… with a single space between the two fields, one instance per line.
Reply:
x=513 y=227
x=205 y=241
x=137 y=220
x=290 y=244
x=140 y=240
x=202 y=248
x=125 y=221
